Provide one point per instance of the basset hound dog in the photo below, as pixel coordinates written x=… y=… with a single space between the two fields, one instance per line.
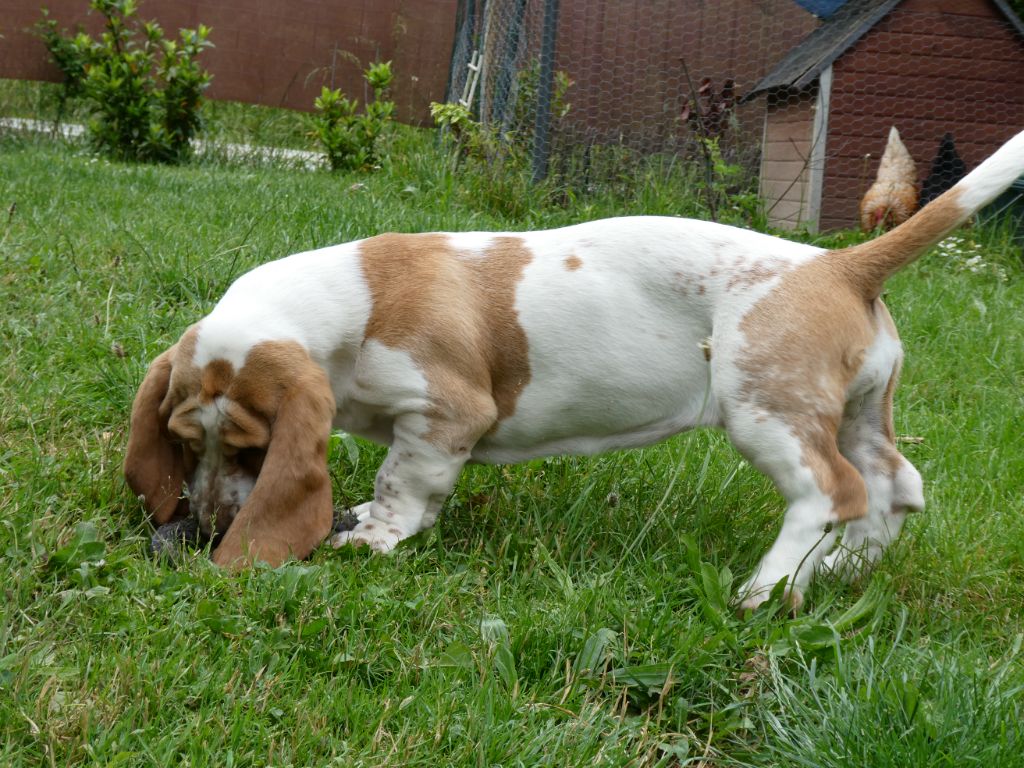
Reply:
x=501 y=347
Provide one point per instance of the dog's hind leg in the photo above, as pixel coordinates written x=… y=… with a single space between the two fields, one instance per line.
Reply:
x=894 y=486
x=822 y=490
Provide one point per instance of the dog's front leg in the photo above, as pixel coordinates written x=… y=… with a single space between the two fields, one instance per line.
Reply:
x=411 y=485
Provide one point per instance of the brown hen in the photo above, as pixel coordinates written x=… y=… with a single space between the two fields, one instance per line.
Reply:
x=892 y=199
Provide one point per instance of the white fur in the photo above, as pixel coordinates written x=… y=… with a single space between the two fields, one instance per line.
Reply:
x=216 y=488
x=986 y=182
x=861 y=442
x=615 y=345
x=318 y=298
x=617 y=354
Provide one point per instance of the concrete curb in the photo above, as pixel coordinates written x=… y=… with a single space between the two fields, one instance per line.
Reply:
x=297 y=157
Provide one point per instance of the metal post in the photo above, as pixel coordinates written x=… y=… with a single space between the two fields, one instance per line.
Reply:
x=500 y=114
x=542 y=122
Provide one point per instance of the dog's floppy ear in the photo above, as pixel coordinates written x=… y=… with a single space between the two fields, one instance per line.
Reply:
x=288 y=513
x=153 y=465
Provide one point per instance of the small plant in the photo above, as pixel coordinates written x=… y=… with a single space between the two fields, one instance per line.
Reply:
x=467 y=135
x=495 y=171
x=965 y=254
x=507 y=139
x=184 y=83
x=708 y=113
x=723 y=185
x=453 y=116
x=528 y=87
x=710 y=117
x=348 y=138
x=497 y=153
x=143 y=89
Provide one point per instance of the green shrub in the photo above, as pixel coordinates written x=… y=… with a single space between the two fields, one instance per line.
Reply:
x=347 y=137
x=466 y=135
x=494 y=160
x=144 y=91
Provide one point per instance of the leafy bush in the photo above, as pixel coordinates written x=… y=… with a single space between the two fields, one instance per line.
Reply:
x=528 y=95
x=144 y=90
x=467 y=136
x=349 y=138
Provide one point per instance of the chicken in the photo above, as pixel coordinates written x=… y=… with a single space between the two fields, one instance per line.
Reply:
x=947 y=170
x=892 y=199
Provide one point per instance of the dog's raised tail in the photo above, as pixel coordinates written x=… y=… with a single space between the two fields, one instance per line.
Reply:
x=870 y=264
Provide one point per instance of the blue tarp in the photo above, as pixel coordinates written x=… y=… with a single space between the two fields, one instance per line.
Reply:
x=821 y=8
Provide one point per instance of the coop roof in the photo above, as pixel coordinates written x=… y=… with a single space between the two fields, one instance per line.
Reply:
x=836 y=35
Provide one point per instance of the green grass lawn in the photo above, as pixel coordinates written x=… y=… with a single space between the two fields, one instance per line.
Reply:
x=563 y=612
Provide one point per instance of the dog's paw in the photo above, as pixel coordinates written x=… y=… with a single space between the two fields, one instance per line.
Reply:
x=753 y=596
x=378 y=536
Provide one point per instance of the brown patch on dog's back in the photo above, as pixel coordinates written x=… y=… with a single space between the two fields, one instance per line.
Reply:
x=454 y=313
x=508 y=354
x=574 y=262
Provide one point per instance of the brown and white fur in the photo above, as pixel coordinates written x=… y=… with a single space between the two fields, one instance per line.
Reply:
x=502 y=347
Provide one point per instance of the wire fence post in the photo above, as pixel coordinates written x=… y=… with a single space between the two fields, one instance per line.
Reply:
x=542 y=124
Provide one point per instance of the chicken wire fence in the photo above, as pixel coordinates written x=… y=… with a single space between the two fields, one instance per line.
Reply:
x=792 y=100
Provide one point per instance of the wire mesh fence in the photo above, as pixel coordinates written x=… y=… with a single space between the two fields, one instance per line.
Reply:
x=796 y=99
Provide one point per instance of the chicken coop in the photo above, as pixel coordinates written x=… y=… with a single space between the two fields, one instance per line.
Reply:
x=948 y=74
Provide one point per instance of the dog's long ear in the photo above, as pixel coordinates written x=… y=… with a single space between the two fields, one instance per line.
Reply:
x=153 y=465
x=288 y=512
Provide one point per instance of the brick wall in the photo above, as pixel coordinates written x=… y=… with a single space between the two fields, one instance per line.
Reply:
x=277 y=53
